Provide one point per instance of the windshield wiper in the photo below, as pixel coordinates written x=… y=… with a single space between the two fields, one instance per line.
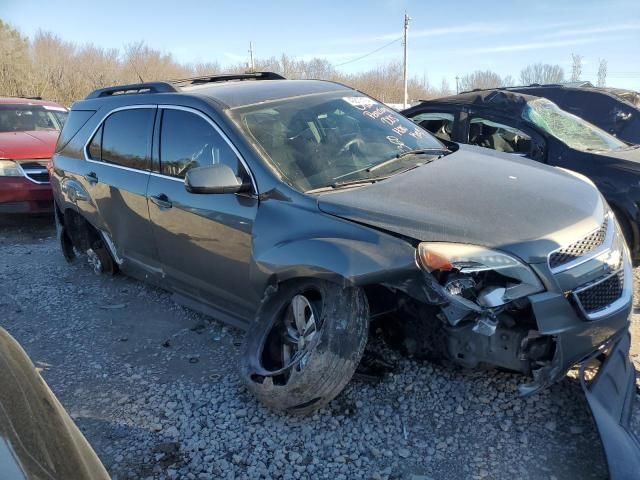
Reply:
x=417 y=151
x=336 y=185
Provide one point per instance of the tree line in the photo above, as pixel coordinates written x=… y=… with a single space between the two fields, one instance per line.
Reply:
x=49 y=67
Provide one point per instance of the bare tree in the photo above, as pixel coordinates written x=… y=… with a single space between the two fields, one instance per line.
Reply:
x=508 y=81
x=64 y=71
x=541 y=73
x=602 y=73
x=15 y=66
x=576 y=67
x=480 y=79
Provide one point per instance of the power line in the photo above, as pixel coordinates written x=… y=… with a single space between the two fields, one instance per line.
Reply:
x=370 y=53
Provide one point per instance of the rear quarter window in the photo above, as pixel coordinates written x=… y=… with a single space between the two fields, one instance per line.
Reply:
x=74 y=122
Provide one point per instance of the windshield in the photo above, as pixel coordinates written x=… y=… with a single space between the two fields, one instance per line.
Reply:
x=28 y=118
x=321 y=140
x=572 y=130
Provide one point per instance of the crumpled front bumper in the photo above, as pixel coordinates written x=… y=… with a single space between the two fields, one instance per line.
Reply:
x=611 y=396
x=576 y=339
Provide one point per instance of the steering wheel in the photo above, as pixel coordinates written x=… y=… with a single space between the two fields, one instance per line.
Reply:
x=347 y=146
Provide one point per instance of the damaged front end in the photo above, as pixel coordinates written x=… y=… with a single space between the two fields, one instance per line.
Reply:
x=484 y=312
x=482 y=307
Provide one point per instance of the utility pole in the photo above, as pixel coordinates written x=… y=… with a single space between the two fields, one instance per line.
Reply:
x=406 y=79
x=457 y=87
x=251 y=57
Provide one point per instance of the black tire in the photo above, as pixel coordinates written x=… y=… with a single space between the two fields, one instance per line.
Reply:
x=315 y=374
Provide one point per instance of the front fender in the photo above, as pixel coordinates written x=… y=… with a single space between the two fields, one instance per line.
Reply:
x=297 y=241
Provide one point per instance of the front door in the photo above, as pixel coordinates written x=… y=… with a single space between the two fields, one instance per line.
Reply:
x=203 y=240
x=503 y=136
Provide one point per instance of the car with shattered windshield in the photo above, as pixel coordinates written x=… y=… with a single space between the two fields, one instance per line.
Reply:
x=614 y=110
x=302 y=210
x=536 y=128
x=29 y=129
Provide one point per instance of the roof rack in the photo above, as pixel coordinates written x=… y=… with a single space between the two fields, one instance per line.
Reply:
x=148 y=87
x=170 y=85
x=185 y=82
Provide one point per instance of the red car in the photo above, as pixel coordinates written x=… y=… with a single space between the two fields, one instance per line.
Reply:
x=29 y=131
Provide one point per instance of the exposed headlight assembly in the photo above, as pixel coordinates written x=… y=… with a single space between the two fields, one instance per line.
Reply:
x=9 y=168
x=519 y=279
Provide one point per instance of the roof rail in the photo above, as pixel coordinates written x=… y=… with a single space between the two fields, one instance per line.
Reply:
x=185 y=82
x=148 y=87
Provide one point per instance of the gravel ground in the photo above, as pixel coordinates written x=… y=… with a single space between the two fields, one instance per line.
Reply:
x=153 y=387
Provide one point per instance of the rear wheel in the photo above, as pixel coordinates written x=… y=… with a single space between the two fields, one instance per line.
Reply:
x=100 y=259
x=305 y=345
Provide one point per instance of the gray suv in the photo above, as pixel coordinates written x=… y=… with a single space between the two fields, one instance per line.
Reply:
x=302 y=210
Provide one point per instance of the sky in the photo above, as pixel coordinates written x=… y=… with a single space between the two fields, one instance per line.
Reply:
x=446 y=38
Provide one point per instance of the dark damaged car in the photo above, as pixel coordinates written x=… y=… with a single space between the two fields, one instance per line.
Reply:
x=614 y=110
x=537 y=128
x=302 y=210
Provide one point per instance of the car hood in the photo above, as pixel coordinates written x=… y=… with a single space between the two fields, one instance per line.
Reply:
x=21 y=145
x=628 y=154
x=480 y=197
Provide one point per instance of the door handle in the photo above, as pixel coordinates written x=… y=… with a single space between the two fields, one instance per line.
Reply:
x=91 y=177
x=161 y=200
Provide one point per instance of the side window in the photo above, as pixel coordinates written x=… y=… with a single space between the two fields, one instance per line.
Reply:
x=497 y=136
x=188 y=141
x=95 y=147
x=440 y=124
x=126 y=137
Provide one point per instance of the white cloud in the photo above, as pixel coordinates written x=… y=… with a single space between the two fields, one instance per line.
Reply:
x=572 y=32
x=463 y=29
x=516 y=47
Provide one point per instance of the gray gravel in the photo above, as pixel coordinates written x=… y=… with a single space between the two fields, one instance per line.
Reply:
x=153 y=387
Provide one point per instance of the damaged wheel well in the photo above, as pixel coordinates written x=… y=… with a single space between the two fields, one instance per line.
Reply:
x=82 y=234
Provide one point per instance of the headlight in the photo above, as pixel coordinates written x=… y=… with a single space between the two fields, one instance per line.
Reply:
x=619 y=250
x=9 y=168
x=513 y=279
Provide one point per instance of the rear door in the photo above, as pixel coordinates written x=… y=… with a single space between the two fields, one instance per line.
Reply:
x=116 y=175
x=203 y=240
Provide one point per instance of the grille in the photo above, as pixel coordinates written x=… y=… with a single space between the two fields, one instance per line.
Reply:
x=38 y=177
x=579 y=248
x=35 y=171
x=602 y=293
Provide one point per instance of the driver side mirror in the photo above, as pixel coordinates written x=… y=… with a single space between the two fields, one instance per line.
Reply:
x=217 y=178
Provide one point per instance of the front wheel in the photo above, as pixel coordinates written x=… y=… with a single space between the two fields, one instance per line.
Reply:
x=305 y=345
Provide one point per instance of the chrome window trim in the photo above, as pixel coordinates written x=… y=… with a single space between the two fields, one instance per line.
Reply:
x=242 y=160
x=606 y=244
x=85 y=149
